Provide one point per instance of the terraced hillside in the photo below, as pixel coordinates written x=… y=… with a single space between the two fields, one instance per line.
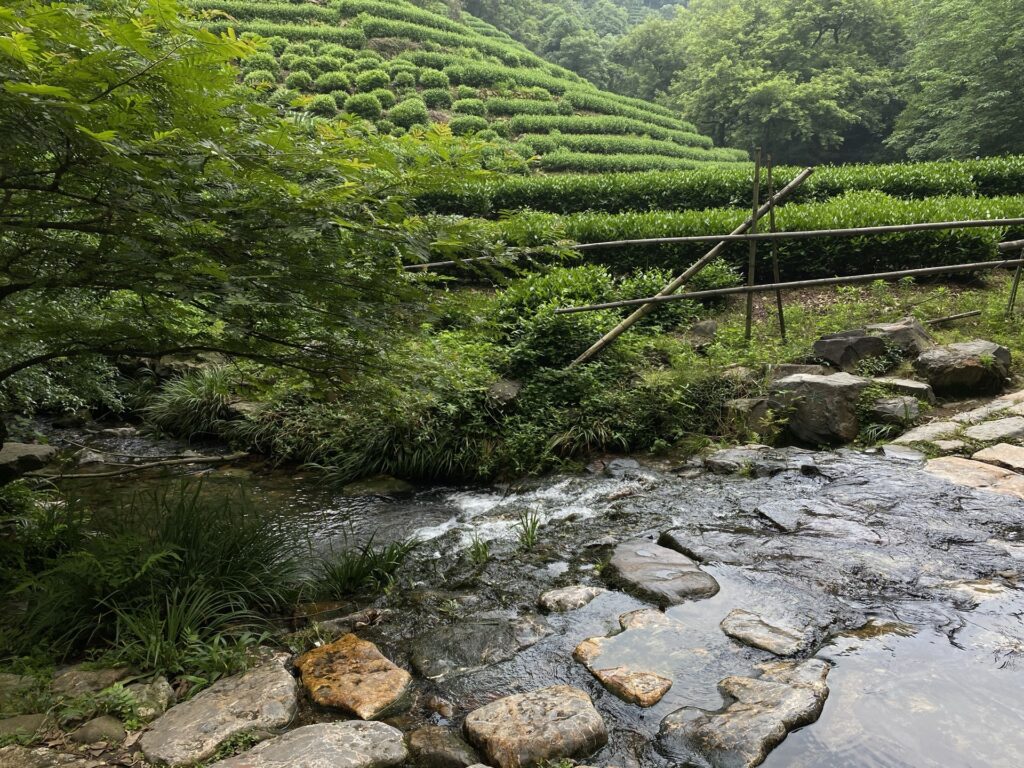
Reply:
x=400 y=65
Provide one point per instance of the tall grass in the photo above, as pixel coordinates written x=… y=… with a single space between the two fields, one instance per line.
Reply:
x=192 y=405
x=366 y=568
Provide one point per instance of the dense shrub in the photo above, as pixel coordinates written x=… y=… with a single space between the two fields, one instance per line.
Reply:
x=263 y=61
x=467 y=124
x=604 y=124
x=594 y=101
x=465 y=91
x=299 y=80
x=277 y=44
x=385 y=126
x=469 y=107
x=298 y=49
x=323 y=105
x=364 y=105
x=582 y=162
x=431 y=78
x=332 y=81
x=409 y=113
x=509 y=107
x=260 y=77
x=358 y=65
x=628 y=145
x=437 y=98
x=340 y=99
x=372 y=79
x=404 y=80
x=350 y=37
x=303 y=64
x=328 y=63
x=386 y=98
x=282 y=97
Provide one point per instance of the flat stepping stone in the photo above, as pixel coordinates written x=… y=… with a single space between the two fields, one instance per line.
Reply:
x=658 y=574
x=1004 y=455
x=1000 y=430
x=977 y=474
x=264 y=698
x=437 y=747
x=569 y=598
x=621 y=662
x=750 y=629
x=762 y=712
x=349 y=744
x=528 y=728
x=928 y=433
x=352 y=675
x=459 y=649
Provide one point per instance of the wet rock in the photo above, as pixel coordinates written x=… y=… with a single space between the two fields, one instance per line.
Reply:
x=435 y=747
x=353 y=675
x=976 y=474
x=902 y=453
x=928 y=433
x=918 y=389
x=78 y=681
x=643 y=687
x=105 y=728
x=763 y=710
x=350 y=744
x=752 y=630
x=757 y=461
x=847 y=348
x=906 y=335
x=343 y=625
x=15 y=756
x=264 y=698
x=458 y=649
x=86 y=457
x=895 y=410
x=381 y=485
x=25 y=725
x=1003 y=455
x=655 y=573
x=975 y=367
x=153 y=698
x=18 y=458
x=119 y=433
x=1011 y=428
x=782 y=370
x=569 y=598
x=823 y=409
x=528 y=728
x=621 y=467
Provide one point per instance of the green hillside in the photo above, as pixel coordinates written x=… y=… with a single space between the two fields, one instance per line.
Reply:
x=400 y=65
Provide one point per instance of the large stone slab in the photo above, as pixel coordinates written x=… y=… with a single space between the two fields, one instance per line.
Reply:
x=569 y=598
x=977 y=474
x=902 y=409
x=918 y=389
x=971 y=368
x=80 y=680
x=18 y=458
x=752 y=630
x=907 y=336
x=658 y=574
x=458 y=649
x=846 y=349
x=352 y=675
x=264 y=698
x=435 y=747
x=929 y=433
x=761 y=712
x=528 y=728
x=1003 y=455
x=823 y=409
x=1011 y=428
x=349 y=744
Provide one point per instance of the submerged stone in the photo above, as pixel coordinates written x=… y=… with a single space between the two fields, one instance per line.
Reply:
x=752 y=630
x=264 y=698
x=458 y=649
x=435 y=747
x=350 y=744
x=761 y=712
x=353 y=675
x=659 y=574
x=18 y=458
x=529 y=728
x=569 y=598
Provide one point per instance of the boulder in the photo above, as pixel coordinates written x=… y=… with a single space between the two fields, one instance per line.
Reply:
x=104 y=728
x=761 y=712
x=354 y=676
x=569 y=598
x=1003 y=455
x=758 y=461
x=971 y=368
x=1011 y=428
x=78 y=680
x=262 y=699
x=752 y=414
x=823 y=409
x=23 y=725
x=702 y=334
x=750 y=629
x=917 y=389
x=381 y=485
x=15 y=756
x=895 y=410
x=655 y=573
x=349 y=744
x=458 y=649
x=435 y=747
x=504 y=391
x=528 y=728
x=153 y=698
x=906 y=335
x=782 y=370
x=18 y=458
x=846 y=349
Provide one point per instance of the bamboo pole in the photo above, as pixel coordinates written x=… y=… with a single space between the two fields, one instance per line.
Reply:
x=755 y=199
x=661 y=297
x=1014 y=289
x=776 y=273
x=674 y=286
x=951 y=318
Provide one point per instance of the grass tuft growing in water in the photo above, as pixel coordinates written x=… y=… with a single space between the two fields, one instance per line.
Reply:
x=192 y=405
x=367 y=568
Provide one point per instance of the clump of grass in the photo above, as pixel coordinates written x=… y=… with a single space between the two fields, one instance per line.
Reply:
x=479 y=550
x=192 y=405
x=360 y=569
x=528 y=528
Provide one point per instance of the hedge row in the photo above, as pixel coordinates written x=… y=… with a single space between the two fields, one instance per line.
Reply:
x=719 y=185
x=350 y=37
x=799 y=259
x=399 y=12
x=594 y=101
x=603 y=124
x=582 y=162
x=276 y=12
x=603 y=144
x=484 y=75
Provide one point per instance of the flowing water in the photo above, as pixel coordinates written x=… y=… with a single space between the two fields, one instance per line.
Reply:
x=909 y=586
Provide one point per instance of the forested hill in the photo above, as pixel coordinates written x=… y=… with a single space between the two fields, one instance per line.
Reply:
x=400 y=64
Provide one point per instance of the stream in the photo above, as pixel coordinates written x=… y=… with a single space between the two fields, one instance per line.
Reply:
x=907 y=585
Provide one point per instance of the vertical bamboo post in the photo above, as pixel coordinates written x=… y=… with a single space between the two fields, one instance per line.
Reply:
x=680 y=280
x=1012 y=303
x=752 y=255
x=776 y=275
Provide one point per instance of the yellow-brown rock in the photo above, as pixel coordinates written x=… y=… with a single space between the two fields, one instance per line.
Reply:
x=353 y=675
